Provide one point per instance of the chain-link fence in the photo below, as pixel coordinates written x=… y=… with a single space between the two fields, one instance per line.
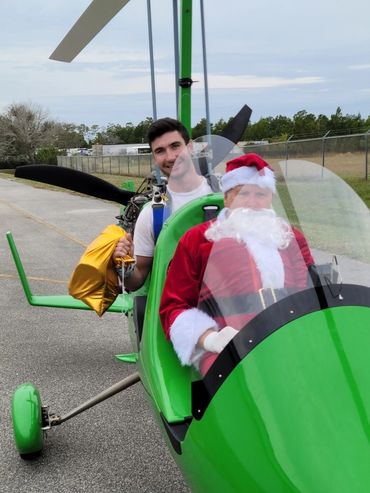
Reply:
x=131 y=165
x=345 y=155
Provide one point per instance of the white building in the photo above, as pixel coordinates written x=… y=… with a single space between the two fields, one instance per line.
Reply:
x=120 y=149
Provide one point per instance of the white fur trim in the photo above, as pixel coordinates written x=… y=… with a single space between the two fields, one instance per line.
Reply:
x=248 y=176
x=186 y=330
x=268 y=261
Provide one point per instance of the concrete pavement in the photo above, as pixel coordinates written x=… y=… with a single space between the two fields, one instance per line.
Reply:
x=69 y=356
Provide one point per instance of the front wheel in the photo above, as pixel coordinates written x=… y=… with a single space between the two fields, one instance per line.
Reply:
x=27 y=421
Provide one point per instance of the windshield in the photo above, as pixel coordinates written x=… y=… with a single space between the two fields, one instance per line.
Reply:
x=313 y=230
x=334 y=220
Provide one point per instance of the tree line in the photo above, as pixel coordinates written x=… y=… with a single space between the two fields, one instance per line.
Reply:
x=28 y=135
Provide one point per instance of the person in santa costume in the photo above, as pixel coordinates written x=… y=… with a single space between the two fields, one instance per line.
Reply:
x=227 y=270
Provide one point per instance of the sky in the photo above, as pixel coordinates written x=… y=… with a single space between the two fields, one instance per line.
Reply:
x=277 y=57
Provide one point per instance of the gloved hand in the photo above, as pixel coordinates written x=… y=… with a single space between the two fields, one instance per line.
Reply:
x=216 y=341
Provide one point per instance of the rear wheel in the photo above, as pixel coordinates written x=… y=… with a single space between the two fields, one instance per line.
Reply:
x=27 y=421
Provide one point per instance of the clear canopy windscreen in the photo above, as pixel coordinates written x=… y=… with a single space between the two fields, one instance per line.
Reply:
x=203 y=156
x=333 y=218
x=254 y=263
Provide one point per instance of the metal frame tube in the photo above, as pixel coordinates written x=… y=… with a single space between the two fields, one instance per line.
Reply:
x=176 y=52
x=109 y=392
x=152 y=75
x=185 y=63
x=367 y=154
x=208 y=123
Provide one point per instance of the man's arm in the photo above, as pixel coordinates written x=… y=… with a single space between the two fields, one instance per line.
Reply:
x=142 y=247
x=139 y=274
x=304 y=248
x=191 y=331
x=301 y=259
x=182 y=322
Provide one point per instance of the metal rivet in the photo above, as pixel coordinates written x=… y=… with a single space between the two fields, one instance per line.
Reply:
x=220 y=375
x=250 y=341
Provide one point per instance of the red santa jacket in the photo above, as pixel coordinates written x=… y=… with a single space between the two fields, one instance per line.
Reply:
x=201 y=268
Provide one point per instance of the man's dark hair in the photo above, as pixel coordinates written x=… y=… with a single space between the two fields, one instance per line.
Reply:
x=164 y=125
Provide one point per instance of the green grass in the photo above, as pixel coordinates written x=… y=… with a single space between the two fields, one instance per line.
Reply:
x=361 y=187
x=119 y=180
x=330 y=215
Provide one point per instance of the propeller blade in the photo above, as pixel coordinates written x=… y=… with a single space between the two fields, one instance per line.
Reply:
x=91 y=22
x=234 y=130
x=78 y=181
x=231 y=134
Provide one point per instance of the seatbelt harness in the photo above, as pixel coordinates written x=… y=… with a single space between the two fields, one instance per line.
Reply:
x=161 y=212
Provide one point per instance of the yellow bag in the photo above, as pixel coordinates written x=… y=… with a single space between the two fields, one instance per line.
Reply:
x=95 y=280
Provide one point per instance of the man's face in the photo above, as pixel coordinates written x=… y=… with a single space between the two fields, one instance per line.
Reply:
x=168 y=148
x=248 y=197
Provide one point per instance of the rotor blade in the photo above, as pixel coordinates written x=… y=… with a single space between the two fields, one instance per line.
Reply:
x=78 y=181
x=91 y=22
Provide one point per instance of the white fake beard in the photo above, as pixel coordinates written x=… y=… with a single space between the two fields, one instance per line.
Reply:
x=263 y=233
x=262 y=225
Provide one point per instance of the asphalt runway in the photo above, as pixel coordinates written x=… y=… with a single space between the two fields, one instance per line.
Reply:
x=69 y=355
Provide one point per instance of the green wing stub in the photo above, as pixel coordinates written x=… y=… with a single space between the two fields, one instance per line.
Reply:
x=122 y=304
x=266 y=323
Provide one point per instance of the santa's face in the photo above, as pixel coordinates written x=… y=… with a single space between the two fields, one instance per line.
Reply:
x=248 y=197
x=171 y=154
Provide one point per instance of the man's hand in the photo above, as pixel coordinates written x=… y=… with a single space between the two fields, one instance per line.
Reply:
x=216 y=341
x=124 y=247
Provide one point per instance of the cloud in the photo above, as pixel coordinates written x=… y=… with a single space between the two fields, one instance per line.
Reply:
x=257 y=82
x=114 y=71
x=365 y=66
x=278 y=63
x=105 y=55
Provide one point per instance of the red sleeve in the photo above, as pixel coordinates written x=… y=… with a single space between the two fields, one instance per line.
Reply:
x=297 y=258
x=184 y=277
x=303 y=246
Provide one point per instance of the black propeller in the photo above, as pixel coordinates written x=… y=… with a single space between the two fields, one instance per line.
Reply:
x=231 y=134
x=235 y=128
x=78 y=181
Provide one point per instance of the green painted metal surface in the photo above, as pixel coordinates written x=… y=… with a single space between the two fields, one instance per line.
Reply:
x=128 y=185
x=167 y=382
x=185 y=63
x=294 y=414
x=128 y=358
x=27 y=419
x=122 y=304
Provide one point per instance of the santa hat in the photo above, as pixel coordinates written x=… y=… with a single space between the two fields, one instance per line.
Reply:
x=249 y=169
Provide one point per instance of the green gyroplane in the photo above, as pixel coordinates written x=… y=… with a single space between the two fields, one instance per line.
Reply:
x=286 y=405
